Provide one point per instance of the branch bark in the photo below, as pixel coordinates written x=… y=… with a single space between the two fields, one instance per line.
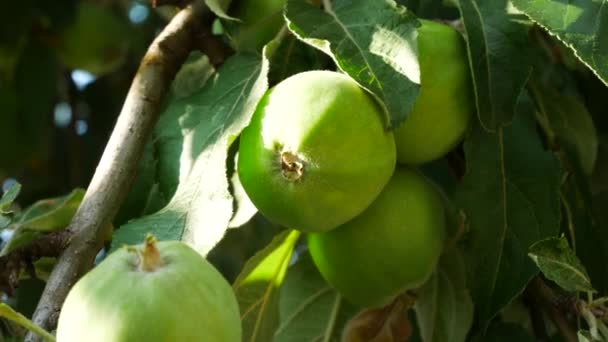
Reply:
x=117 y=168
x=22 y=258
x=550 y=304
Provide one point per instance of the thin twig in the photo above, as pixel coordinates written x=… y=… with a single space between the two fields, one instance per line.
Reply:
x=537 y=317
x=550 y=304
x=116 y=170
x=18 y=260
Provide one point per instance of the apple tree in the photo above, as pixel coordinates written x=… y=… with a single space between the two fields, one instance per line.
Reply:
x=304 y=170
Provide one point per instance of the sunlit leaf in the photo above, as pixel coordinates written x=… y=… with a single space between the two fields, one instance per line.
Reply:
x=580 y=24
x=372 y=41
x=257 y=287
x=309 y=309
x=192 y=144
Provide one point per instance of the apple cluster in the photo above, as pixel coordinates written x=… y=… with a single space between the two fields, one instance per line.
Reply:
x=317 y=157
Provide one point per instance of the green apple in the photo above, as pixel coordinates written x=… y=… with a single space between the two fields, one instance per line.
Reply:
x=96 y=41
x=158 y=292
x=444 y=107
x=316 y=152
x=261 y=21
x=391 y=247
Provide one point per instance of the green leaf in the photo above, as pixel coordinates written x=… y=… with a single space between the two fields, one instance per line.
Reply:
x=42 y=217
x=588 y=235
x=219 y=8
x=293 y=56
x=499 y=57
x=257 y=287
x=309 y=309
x=444 y=309
x=505 y=332
x=193 y=75
x=4 y=221
x=9 y=197
x=584 y=336
x=12 y=315
x=51 y=214
x=566 y=119
x=510 y=195
x=432 y=9
x=372 y=41
x=559 y=263
x=145 y=196
x=581 y=24
x=193 y=148
x=245 y=209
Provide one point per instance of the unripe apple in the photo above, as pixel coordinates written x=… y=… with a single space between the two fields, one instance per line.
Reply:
x=316 y=152
x=161 y=292
x=391 y=247
x=96 y=41
x=445 y=105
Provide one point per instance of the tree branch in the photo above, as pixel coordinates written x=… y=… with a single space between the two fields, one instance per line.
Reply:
x=550 y=303
x=12 y=264
x=116 y=170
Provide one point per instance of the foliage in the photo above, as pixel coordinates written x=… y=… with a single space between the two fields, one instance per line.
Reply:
x=526 y=190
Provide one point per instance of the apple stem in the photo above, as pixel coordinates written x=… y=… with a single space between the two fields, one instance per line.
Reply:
x=292 y=167
x=149 y=256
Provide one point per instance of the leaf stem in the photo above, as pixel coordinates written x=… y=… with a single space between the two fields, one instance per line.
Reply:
x=569 y=220
x=12 y=315
x=332 y=319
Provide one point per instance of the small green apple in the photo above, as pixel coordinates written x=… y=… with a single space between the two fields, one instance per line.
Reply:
x=444 y=107
x=316 y=152
x=96 y=41
x=391 y=247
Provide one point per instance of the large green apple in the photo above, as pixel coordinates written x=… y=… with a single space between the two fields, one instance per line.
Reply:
x=261 y=21
x=391 y=247
x=316 y=152
x=161 y=292
x=444 y=107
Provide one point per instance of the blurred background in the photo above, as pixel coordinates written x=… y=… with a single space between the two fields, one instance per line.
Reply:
x=65 y=68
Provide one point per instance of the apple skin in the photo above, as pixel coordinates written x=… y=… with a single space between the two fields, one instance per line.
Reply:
x=445 y=106
x=391 y=247
x=185 y=299
x=261 y=21
x=325 y=123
